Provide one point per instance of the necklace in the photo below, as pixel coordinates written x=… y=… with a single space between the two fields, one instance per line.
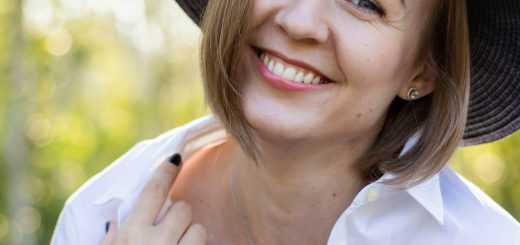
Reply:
x=238 y=209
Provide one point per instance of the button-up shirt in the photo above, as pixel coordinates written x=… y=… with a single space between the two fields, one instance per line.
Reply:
x=444 y=209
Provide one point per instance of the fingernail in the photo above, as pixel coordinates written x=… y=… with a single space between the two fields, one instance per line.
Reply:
x=107 y=226
x=175 y=159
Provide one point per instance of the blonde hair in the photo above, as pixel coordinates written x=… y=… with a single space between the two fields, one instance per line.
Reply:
x=440 y=116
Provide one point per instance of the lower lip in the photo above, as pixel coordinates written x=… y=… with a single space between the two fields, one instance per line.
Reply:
x=284 y=84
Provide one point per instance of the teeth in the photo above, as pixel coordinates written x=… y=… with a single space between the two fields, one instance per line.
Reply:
x=308 y=79
x=299 y=77
x=316 y=80
x=278 y=69
x=270 y=66
x=289 y=73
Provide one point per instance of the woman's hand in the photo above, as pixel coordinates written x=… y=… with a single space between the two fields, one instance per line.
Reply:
x=174 y=228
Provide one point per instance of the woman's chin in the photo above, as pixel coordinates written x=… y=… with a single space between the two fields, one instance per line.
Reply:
x=280 y=130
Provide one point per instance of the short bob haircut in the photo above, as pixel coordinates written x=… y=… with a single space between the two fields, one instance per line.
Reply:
x=437 y=119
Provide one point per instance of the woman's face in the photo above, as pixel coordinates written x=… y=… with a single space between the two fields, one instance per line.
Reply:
x=363 y=50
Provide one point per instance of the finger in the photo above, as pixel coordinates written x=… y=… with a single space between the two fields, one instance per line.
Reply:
x=195 y=235
x=155 y=191
x=111 y=231
x=176 y=221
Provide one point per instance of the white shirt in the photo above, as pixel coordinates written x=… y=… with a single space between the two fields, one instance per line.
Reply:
x=445 y=209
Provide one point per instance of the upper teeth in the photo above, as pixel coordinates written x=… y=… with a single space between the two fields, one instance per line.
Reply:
x=291 y=73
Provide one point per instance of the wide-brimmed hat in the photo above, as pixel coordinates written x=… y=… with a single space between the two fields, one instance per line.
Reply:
x=494 y=107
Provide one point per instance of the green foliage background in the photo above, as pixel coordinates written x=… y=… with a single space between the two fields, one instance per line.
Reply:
x=84 y=80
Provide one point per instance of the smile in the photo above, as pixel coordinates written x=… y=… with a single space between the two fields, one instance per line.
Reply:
x=278 y=69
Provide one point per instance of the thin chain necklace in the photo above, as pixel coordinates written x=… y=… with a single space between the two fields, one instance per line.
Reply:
x=239 y=211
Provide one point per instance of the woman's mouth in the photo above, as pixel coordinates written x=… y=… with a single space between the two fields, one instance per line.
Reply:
x=276 y=70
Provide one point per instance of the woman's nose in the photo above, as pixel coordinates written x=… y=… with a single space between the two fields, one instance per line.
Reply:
x=304 y=20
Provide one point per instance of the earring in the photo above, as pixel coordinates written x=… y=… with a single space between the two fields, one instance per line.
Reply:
x=413 y=93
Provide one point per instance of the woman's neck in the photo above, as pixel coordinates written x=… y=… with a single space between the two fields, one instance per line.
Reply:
x=298 y=187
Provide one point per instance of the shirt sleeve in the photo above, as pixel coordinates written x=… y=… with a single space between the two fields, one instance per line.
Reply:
x=110 y=194
x=66 y=231
x=81 y=220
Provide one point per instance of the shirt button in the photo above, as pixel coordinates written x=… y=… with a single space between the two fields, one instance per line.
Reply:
x=372 y=194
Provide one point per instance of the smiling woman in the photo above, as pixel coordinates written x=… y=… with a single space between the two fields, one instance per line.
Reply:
x=334 y=121
x=398 y=52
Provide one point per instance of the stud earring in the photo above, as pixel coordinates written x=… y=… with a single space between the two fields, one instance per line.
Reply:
x=413 y=93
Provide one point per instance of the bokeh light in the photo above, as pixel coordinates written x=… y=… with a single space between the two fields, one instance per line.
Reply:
x=489 y=167
x=29 y=219
x=39 y=129
x=58 y=42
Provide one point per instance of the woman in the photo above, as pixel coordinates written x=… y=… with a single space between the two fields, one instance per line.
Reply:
x=333 y=124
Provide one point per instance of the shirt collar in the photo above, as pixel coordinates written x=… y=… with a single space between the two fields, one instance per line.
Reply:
x=427 y=193
x=191 y=137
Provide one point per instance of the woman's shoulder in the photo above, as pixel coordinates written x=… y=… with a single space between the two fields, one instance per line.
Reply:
x=473 y=213
x=109 y=195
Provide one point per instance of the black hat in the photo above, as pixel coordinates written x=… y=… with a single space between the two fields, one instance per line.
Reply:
x=494 y=107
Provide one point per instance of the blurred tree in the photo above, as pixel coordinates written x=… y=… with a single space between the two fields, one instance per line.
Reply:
x=21 y=216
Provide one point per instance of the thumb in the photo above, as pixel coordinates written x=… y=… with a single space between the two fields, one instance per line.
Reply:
x=111 y=231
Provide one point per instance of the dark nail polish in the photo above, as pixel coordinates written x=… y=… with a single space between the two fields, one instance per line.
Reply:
x=175 y=159
x=107 y=226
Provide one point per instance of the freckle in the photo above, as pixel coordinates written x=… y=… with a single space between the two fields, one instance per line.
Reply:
x=333 y=194
x=201 y=200
x=371 y=110
x=359 y=115
x=314 y=187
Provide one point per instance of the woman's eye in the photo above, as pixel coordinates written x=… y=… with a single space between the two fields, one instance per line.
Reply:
x=368 y=6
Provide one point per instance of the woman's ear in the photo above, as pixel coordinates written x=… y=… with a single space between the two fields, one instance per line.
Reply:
x=424 y=79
